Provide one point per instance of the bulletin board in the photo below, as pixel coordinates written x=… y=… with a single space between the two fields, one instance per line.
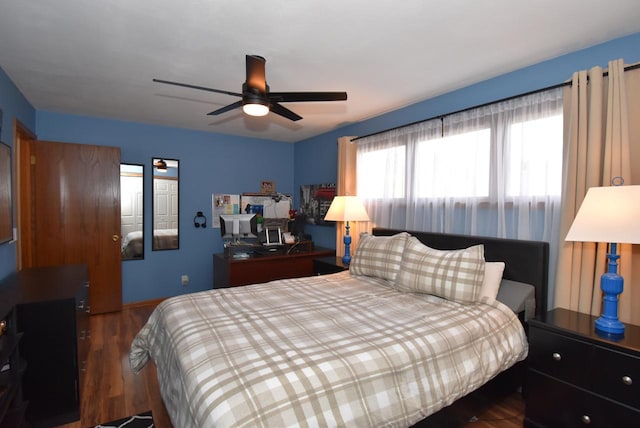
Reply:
x=222 y=203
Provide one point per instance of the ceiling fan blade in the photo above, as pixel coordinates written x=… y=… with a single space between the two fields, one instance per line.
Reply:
x=284 y=112
x=203 y=88
x=288 y=97
x=256 y=73
x=225 y=109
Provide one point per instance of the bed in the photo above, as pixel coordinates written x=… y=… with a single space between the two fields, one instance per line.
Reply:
x=132 y=245
x=356 y=348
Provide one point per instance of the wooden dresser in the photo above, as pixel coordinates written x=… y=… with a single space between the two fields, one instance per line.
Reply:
x=229 y=272
x=53 y=316
x=577 y=378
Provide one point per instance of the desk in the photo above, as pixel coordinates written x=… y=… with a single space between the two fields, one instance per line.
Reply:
x=230 y=272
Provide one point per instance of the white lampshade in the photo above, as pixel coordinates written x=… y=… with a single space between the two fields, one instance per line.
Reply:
x=608 y=214
x=346 y=208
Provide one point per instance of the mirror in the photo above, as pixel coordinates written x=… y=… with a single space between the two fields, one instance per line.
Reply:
x=132 y=211
x=6 y=224
x=166 y=180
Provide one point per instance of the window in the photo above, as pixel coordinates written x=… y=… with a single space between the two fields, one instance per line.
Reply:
x=535 y=161
x=376 y=183
x=455 y=166
x=495 y=170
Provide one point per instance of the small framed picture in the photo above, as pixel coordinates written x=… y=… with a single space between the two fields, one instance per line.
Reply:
x=267 y=186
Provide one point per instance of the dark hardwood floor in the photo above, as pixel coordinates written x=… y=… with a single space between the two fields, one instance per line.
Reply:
x=111 y=390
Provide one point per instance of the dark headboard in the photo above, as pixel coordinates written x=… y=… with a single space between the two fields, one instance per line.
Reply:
x=525 y=261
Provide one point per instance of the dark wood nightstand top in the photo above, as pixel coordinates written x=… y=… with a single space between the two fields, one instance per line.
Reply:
x=582 y=326
x=333 y=261
x=325 y=265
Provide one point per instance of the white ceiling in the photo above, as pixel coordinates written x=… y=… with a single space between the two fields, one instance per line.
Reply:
x=97 y=58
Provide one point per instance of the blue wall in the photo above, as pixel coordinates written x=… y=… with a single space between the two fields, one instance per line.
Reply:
x=14 y=106
x=209 y=163
x=316 y=158
x=215 y=163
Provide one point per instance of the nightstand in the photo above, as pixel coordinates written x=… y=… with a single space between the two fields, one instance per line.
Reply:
x=577 y=378
x=326 y=265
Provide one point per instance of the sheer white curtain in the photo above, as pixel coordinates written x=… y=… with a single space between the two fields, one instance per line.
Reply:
x=494 y=170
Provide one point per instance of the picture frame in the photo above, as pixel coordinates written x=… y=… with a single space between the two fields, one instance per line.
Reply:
x=267 y=187
x=315 y=200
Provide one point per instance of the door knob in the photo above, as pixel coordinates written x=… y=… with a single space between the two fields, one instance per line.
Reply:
x=115 y=238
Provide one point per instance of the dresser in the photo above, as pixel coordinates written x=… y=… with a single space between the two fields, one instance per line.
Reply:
x=576 y=378
x=12 y=366
x=53 y=316
x=230 y=272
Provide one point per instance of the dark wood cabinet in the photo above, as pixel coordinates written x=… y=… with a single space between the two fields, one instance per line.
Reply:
x=12 y=405
x=53 y=316
x=229 y=271
x=577 y=378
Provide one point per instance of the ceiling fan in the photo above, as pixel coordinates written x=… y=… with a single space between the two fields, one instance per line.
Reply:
x=257 y=100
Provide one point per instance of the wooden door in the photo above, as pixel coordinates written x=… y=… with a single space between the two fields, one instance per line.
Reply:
x=73 y=214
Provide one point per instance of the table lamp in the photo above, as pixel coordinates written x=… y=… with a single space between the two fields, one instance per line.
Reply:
x=609 y=214
x=346 y=208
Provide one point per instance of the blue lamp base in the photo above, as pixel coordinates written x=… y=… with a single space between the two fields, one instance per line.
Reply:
x=346 y=259
x=611 y=285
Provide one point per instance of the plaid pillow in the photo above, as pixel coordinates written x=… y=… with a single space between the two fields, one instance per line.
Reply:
x=453 y=275
x=378 y=256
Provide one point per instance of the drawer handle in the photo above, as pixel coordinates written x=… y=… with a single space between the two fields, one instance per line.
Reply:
x=556 y=356
x=627 y=380
x=586 y=419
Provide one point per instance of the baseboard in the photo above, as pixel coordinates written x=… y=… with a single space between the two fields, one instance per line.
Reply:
x=144 y=303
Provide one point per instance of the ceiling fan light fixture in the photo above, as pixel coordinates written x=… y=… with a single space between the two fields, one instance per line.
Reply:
x=255 y=109
x=161 y=165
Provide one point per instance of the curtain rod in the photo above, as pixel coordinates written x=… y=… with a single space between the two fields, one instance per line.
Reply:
x=440 y=116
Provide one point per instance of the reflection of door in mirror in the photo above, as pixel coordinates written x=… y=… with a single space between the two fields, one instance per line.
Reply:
x=165 y=204
x=132 y=211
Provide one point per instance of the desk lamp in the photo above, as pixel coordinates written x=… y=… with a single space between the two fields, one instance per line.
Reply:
x=346 y=208
x=609 y=214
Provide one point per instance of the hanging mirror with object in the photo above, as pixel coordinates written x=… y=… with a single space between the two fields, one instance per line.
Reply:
x=132 y=211
x=166 y=181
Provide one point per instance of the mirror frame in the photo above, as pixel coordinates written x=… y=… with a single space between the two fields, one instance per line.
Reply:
x=6 y=190
x=163 y=242
x=126 y=239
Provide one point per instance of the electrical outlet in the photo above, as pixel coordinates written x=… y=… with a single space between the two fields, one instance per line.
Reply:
x=185 y=279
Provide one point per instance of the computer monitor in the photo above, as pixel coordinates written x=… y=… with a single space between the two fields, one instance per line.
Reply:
x=238 y=226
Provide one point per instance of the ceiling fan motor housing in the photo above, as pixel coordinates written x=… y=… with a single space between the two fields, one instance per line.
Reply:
x=254 y=95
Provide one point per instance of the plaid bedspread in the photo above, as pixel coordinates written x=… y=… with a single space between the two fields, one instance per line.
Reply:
x=333 y=350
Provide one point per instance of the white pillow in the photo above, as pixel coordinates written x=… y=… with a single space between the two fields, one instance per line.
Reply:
x=492 y=278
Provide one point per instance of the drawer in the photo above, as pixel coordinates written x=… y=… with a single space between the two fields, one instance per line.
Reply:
x=560 y=356
x=618 y=376
x=553 y=403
